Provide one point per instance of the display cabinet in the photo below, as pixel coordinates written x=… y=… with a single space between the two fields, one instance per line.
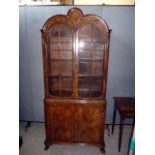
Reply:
x=75 y=61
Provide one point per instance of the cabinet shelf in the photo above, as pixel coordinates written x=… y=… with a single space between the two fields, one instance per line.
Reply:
x=81 y=76
x=61 y=46
x=58 y=76
x=64 y=89
x=62 y=49
x=61 y=40
x=66 y=60
x=87 y=90
x=89 y=50
x=90 y=60
x=90 y=76
x=65 y=93
x=89 y=94
x=91 y=42
x=83 y=93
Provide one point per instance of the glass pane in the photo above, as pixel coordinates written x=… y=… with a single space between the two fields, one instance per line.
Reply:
x=53 y=68
x=96 y=87
x=97 y=55
x=61 y=46
x=84 y=54
x=56 y=54
x=53 y=85
x=84 y=87
x=90 y=68
x=66 y=87
x=97 y=69
x=67 y=55
x=57 y=83
x=66 y=68
x=84 y=69
x=59 y=58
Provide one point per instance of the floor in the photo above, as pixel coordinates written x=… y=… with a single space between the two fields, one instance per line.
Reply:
x=33 y=142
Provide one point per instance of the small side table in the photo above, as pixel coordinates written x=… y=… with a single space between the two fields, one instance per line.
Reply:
x=126 y=109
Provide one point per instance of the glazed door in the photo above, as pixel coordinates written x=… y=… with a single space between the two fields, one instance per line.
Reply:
x=60 y=65
x=90 y=123
x=90 y=65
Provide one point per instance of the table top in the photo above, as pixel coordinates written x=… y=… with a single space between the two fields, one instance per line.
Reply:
x=125 y=104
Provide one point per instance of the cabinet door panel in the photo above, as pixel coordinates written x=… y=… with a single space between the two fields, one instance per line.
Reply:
x=60 y=62
x=90 y=123
x=91 y=60
x=59 y=122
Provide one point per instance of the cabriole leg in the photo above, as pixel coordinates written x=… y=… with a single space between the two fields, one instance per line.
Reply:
x=102 y=148
x=46 y=145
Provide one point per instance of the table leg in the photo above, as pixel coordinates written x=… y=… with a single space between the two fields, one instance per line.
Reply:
x=113 y=122
x=107 y=128
x=120 y=134
x=28 y=125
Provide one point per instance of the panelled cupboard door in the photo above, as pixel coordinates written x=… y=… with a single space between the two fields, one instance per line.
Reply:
x=59 y=122
x=90 y=123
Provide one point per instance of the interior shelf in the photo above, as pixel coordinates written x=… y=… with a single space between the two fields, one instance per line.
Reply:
x=66 y=41
x=90 y=94
x=90 y=50
x=57 y=49
x=51 y=60
x=90 y=76
x=58 y=76
x=90 y=60
x=82 y=93
x=61 y=93
x=64 y=89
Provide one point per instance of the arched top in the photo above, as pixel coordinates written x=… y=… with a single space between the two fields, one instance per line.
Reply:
x=75 y=15
x=75 y=19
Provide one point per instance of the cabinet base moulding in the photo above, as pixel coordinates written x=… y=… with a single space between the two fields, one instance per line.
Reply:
x=48 y=143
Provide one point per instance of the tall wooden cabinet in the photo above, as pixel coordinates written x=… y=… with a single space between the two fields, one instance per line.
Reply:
x=75 y=60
